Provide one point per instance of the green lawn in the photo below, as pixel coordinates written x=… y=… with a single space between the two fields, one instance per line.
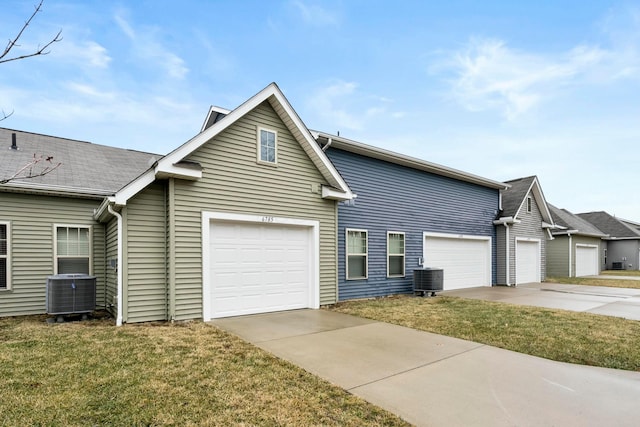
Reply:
x=92 y=373
x=560 y=335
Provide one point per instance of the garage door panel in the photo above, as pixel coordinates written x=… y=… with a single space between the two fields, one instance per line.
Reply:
x=587 y=261
x=466 y=261
x=257 y=268
x=527 y=261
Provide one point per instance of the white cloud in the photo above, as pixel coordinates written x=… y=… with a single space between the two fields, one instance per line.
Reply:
x=84 y=53
x=487 y=74
x=315 y=15
x=147 y=48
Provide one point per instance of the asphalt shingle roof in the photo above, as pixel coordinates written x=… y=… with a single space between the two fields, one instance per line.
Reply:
x=570 y=221
x=86 y=168
x=512 y=197
x=609 y=224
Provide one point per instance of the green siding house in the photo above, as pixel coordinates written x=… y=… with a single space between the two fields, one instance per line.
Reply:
x=240 y=219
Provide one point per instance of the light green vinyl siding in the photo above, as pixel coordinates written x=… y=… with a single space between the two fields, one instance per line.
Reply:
x=234 y=182
x=32 y=219
x=146 y=279
x=558 y=257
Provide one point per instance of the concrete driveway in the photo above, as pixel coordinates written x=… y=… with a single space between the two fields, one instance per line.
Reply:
x=433 y=380
x=619 y=302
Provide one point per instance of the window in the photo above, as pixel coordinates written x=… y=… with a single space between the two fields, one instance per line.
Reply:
x=5 y=261
x=73 y=250
x=267 y=149
x=395 y=254
x=528 y=204
x=356 y=254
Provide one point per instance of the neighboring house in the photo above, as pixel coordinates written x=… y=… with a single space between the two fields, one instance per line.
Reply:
x=409 y=213
x=522 y=230
x=46 y=223
x=240 y=219
x=623 y=243
x=577 y=248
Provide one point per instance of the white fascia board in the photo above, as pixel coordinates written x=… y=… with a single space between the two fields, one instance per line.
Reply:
x=408 y=161
x=134 y=187
x=542 y=202
x=176 y=171
x=506 y=220
x=311 y=147
x=333 y=194
x=273 y=94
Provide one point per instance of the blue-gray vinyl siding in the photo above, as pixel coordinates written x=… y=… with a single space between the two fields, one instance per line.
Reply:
x=401 y=199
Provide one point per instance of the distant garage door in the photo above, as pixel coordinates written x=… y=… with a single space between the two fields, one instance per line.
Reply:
x=586 y=260
x=527 y=261
x=258 y=268
x=466 y=260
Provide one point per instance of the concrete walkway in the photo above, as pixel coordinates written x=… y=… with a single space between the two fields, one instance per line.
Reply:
x=619 y=302
x=433 y=380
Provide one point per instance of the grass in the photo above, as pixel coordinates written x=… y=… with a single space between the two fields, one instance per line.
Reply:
x=588 y=281
x=581 y=338
x=621 y=273
x=92 y=373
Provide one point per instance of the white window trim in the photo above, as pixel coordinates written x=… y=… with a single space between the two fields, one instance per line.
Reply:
x=55 y=244
x=258 y=146
x=8 y=256
x=346 y=254
x=404 y=254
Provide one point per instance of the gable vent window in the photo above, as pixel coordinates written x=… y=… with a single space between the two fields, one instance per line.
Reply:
x=528 y=204
x=4 y=256
x=267 y=146
x=357 y=254
x=73 y=250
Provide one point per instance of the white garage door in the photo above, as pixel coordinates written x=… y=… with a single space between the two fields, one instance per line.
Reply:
x=586 y=260
x=527 y=261
x=258 y=268
x=466 y=261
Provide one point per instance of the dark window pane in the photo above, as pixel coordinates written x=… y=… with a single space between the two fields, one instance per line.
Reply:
x=396 y=266
x=73 y=265
x=3 y=273
x=357 y=267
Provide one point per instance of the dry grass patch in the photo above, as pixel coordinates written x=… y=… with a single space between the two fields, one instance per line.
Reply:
x=588 y=281
x=560 y=335
x=92 y=373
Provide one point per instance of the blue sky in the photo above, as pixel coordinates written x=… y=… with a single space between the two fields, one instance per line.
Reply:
x=501 y=89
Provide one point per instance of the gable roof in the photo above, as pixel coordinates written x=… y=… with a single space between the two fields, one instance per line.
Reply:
x=403 y=160
x=573 y=224
x=610 y=224
x=514 y=198
x=86 y=170
x=172 y=165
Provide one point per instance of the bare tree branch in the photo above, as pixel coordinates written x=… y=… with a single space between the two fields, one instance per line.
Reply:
x=14 y=42
x=31 y=169
x=5 y=115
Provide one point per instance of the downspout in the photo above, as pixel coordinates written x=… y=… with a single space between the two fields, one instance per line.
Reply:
x=570 y=254
x=327 y=145
x=119 y=266
x=508 y=244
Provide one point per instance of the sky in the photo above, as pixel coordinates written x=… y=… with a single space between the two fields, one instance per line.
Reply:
x=500 y=89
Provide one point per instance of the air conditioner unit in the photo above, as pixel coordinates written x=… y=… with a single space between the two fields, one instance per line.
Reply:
x=617 y=266
x=71 y=293
x=428 y=280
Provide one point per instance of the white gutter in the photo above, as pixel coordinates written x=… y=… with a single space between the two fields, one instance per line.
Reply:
x=327 y=145
x=119 y=267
